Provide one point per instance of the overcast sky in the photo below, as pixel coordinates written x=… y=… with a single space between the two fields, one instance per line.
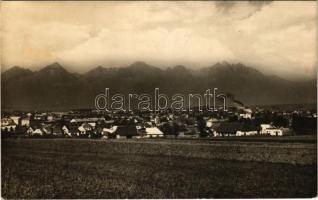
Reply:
x=274 y=37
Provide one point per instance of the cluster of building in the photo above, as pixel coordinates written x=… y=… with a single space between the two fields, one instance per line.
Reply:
x=91 y=124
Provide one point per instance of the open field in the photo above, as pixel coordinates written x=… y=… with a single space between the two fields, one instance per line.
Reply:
x=79 y=168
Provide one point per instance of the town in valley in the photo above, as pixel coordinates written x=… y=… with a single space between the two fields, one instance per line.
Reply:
x=89 y=123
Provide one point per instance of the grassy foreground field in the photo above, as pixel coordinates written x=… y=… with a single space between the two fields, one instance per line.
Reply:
x=156 y=169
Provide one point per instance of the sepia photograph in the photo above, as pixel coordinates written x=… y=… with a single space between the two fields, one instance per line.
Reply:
x=158 y=99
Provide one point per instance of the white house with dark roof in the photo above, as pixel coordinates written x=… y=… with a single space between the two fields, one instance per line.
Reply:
x=37 y=131
x=89 y=120
x=15 y=119
x=8 y=124
x=274 y=132
x=25 y=121
x=153 y=132
x=268 y=129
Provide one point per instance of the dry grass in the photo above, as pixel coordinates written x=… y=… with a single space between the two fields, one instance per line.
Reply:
x=106 y=169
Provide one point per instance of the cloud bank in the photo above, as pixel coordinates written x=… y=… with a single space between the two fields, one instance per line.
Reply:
x=277 y=37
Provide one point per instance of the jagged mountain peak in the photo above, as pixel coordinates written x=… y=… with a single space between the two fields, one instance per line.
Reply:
x=228 y=68
x=54 y=66
x=140 y=65
x=97 y=71
x=16 y=72
x=180 y=67
x=180 y=70
x=99 y=68
x=54 y=69
x=17 y=69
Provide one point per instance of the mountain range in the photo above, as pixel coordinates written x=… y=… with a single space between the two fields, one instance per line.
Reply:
x=55 y=88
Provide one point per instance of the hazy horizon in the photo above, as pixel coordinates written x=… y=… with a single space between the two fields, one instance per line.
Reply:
x=276 y=38
x=73 y=70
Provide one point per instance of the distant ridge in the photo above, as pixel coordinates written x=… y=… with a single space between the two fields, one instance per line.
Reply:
x=53 y=87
